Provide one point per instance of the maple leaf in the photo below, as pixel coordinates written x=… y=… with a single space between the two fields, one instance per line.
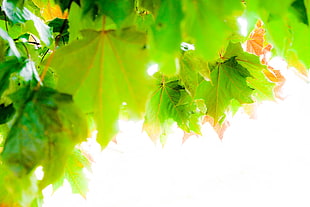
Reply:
x=47 y=127
x=258 y=46
x=256 y=43
x=192 y=68
x=219 y=128
x=74 y=172
x=228 y=82
x=170 y=102
x=203 y=21
x=258 y=81
x=103 y=74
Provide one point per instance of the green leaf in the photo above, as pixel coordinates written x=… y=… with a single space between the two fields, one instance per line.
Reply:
x=105 y=79
x=192 y=69
x=169 y=102
x=17 y=191
x=299 y=8
x=66 y=4
x=228 y=82
x=209 y=24
x=151 y=5
x=17 y=3
x=47 y=128
x=60 y=27
x=300 y=39
x=74 y=173
x=118 y=11
x=11 y=43
x=167 y=28
x=6 y=113
x=167 y=36
x=18 y=15
x=6 y=69
x=263 y=88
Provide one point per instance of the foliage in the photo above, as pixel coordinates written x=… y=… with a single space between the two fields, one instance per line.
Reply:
x=63 y=62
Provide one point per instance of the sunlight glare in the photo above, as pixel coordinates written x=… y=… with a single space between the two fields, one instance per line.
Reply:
x=39 y=173
x=243 y=24
x=260 y=162
x=152 y=69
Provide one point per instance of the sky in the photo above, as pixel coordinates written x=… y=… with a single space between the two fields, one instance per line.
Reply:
x=259 y=162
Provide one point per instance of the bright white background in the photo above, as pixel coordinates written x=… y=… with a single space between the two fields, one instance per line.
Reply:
x=261 y=162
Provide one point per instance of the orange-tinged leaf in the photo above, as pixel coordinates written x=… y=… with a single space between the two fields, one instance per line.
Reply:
x=258 y=46
x=187 y=135
x=274 y=75
x=266 y=50
x=256 y=42
x=50 y=11
x=219 y=128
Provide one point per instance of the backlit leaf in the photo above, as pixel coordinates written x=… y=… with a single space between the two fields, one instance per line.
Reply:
x=4 y=35
x=6 y=113
x=192 y=68
x=106 y=77
x=6 y=69
x=219 y=128
x=65 y=4
x=18 y=15
x=167 y=104
x=74 y=172
x=229 y=81
x=166 y=36
x=256 y=42
x=47 y=128
x=204 y=19
x=257 y=80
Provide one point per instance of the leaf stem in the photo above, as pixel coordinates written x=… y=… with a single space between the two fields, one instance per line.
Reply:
x=42 y=76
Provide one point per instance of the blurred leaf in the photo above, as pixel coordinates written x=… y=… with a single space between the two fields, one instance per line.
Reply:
x=6 y=69
x=60 y=27
x=105 y=78
x=209 y=24
x=6 y=113
x=118 y=11
x=295 y=62
x=66 y=4
x=299 y=8
x=166 y=36
x=167 y=28
x=17 y=3
x=17 y=191
x=49 y=10
x=151 y=5
x=47 y=128
x=74 y=172
x=18 y=15
x=11 y=43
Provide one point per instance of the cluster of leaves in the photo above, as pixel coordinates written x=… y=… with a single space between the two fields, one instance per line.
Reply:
x=65 y=61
